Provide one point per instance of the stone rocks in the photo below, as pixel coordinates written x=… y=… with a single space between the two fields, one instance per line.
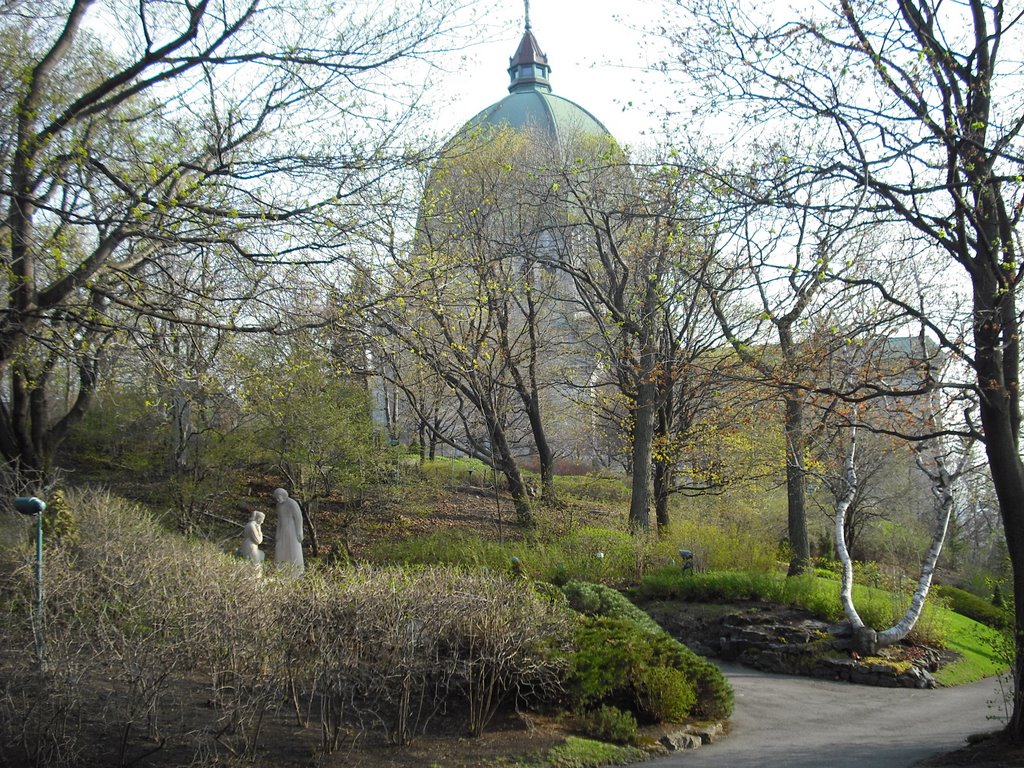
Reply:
x=691 y=737
x=790 y=641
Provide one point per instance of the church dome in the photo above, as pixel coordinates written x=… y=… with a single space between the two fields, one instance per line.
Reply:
x=530 y=104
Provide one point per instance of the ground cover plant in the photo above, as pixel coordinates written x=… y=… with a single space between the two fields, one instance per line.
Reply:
x=158 y=647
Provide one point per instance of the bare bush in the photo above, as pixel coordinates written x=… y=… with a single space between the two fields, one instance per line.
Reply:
x=138 y=618
x=507 y=641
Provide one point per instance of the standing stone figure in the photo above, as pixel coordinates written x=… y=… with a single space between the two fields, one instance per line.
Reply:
x=288 y=537
x=252 y=537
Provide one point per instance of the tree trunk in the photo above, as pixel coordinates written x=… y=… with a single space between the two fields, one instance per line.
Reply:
x=508 y=466
x=796 y=486
x=663 y=478
x=643 y=441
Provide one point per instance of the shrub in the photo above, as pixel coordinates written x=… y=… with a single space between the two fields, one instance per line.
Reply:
x=665 y=694
x=612 y=664
x=973 y=607
x=366 y=647
x=609 y=653
x=599 y=600
x=714 y=694
x=615 y=643
x=609 y=724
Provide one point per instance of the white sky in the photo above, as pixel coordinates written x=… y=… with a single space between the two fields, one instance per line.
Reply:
x=598 y=58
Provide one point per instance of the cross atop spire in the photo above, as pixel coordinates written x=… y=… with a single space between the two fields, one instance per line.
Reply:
x=527 y=4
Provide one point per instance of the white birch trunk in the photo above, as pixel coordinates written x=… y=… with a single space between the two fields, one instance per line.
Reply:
x=942 y=488
x=842 y=505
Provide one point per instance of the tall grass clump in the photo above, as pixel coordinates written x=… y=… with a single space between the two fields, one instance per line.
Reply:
x=590 y=487
x=450 y=548
x=671 y=583
x=444 y=472
x=588 y=553
x=717 y=548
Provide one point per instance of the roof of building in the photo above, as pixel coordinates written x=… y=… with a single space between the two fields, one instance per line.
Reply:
x=530 y=104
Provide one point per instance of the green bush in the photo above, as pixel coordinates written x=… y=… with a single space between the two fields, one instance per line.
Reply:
x=612 y=665
x=609 y=653
x=973 y=606
x=612 y=654
x=599 y=600
x=609 y=723
x=714 y=694
x=665 y=694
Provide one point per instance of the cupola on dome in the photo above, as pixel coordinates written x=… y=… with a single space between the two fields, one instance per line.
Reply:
x=530 y=104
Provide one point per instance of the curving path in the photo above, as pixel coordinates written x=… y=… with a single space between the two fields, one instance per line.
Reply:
x=800 y=722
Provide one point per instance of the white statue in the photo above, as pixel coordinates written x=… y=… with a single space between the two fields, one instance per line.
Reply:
x=288 y=537
x=252 y=537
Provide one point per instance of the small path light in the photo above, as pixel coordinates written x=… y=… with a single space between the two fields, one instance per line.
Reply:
x=30 y=505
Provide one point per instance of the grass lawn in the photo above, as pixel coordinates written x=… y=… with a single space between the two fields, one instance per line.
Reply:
x=978 y=644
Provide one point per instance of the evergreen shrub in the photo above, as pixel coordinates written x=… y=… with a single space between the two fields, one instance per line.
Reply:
x=665 y=694
x=609 y=723
x=973 y=606
x=599 y=600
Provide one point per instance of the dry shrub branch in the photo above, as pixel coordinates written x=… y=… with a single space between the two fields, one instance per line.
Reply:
x=138 y=618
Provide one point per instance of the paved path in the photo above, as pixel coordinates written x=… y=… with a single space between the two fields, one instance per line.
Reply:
x=799 y=722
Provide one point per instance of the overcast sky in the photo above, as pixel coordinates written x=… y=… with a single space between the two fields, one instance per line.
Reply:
x=598 y=58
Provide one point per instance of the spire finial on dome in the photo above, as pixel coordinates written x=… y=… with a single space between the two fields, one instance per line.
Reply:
x=529 y=68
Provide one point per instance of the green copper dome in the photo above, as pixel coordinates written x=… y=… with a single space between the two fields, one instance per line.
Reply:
x=531 y=105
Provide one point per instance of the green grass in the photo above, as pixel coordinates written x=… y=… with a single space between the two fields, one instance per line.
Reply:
x=581 y=753
x=937 y=626
x=978 y=644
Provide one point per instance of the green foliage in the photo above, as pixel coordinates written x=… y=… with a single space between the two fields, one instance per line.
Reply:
x=729 y=547
x=456 y=548
x=665 y=694
x=609 y=723
x=592 y=487
x=599 y=600
x=987 y=612
x=879 y=608
x=585 y=753
x=120 y=433
x=620 y=644
x=591 y=554
x=709 y=587
x=984 y=651
x=610 y=653
x=59 y=524
x=455 y=471
x=612 y=664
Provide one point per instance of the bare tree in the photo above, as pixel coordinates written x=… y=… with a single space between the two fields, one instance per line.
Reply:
x=919 y=107
x=187 y=131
